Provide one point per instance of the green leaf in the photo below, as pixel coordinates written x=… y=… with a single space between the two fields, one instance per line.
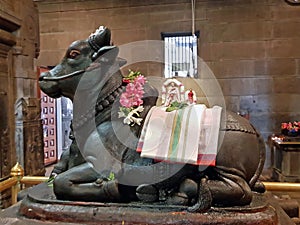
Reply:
x=176 y=105
x=111 y=176
x=132 y=75
x=125 y=110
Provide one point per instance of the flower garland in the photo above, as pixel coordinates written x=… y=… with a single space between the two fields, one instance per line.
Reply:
x=131 y=100
x=290 y=128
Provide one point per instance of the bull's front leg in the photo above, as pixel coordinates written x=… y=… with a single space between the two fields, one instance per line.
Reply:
x=92 y=180
x=68 y=159
x=83 y=183
x=62 y=164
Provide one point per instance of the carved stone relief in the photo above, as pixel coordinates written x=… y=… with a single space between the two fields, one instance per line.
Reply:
x=28 y=136
x=5 y=152
x=6 y=117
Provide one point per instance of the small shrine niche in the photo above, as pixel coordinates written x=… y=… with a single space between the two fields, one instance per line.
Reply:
x=174 y=91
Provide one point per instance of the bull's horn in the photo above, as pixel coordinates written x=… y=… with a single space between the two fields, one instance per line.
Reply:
x=100 y=38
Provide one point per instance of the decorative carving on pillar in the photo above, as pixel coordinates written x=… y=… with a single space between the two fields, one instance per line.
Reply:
x=6 y=127
x=29 y=139
x=5 y=165
x=4 y=153
x=19 y=136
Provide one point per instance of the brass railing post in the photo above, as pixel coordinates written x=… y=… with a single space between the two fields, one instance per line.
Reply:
x=16 y=172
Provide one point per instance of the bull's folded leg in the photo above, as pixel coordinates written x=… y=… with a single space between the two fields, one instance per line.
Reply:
x=187 y=191
x=228 y=190
x=160 y=191
x=147 y=193
x=204 y=201
x=82 y=183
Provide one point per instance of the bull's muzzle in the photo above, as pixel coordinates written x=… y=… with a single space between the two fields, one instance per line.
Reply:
x=46 y=76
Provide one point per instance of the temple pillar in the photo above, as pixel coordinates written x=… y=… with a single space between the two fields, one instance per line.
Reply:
x=29 y=136
x=19 y=47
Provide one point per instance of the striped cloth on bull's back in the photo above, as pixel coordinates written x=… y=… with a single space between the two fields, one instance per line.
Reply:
x=188 y=135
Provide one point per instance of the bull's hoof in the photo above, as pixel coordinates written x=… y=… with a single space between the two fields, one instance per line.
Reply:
x=189 y=187
x=108 y=190
x=198 y=208
x=178 y=199
x=259 y=187
x=147 y=193
x=204 y=201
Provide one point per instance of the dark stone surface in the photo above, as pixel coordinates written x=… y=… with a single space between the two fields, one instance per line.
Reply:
x=41 y=207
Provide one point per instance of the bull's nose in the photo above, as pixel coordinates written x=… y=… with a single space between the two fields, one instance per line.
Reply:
x=44 y=74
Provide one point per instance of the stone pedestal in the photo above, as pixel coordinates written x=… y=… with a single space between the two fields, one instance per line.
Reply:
x=41 y=207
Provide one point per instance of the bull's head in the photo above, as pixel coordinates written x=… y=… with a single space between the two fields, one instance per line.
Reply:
x=63 y=79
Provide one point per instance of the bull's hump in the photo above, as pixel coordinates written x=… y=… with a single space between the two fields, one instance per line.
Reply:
x=235 y=122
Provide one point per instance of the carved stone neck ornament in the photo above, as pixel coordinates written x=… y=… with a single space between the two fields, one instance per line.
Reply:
x=101 y=105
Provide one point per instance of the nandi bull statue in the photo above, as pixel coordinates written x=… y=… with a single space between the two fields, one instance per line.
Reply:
x=102 y=163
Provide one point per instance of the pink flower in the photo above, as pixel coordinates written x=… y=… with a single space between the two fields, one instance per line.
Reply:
x=134 y=93
x=125 y=100
x=131 y=100
x=137 y=102
x=140 y=79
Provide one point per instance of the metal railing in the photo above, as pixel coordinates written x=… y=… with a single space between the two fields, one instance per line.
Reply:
x=282 y=186
x=17 y=178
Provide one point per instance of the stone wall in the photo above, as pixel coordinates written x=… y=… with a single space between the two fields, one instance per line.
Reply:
x=251 y=46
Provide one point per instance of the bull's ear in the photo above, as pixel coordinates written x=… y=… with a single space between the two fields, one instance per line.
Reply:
x=106 y=53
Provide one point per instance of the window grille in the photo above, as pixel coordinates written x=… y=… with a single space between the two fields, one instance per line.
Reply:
x=180 y=54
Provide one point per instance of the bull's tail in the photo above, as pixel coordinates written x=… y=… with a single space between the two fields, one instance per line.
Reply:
x=254 y=184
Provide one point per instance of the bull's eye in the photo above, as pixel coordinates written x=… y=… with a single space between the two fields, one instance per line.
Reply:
x=73 y=54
